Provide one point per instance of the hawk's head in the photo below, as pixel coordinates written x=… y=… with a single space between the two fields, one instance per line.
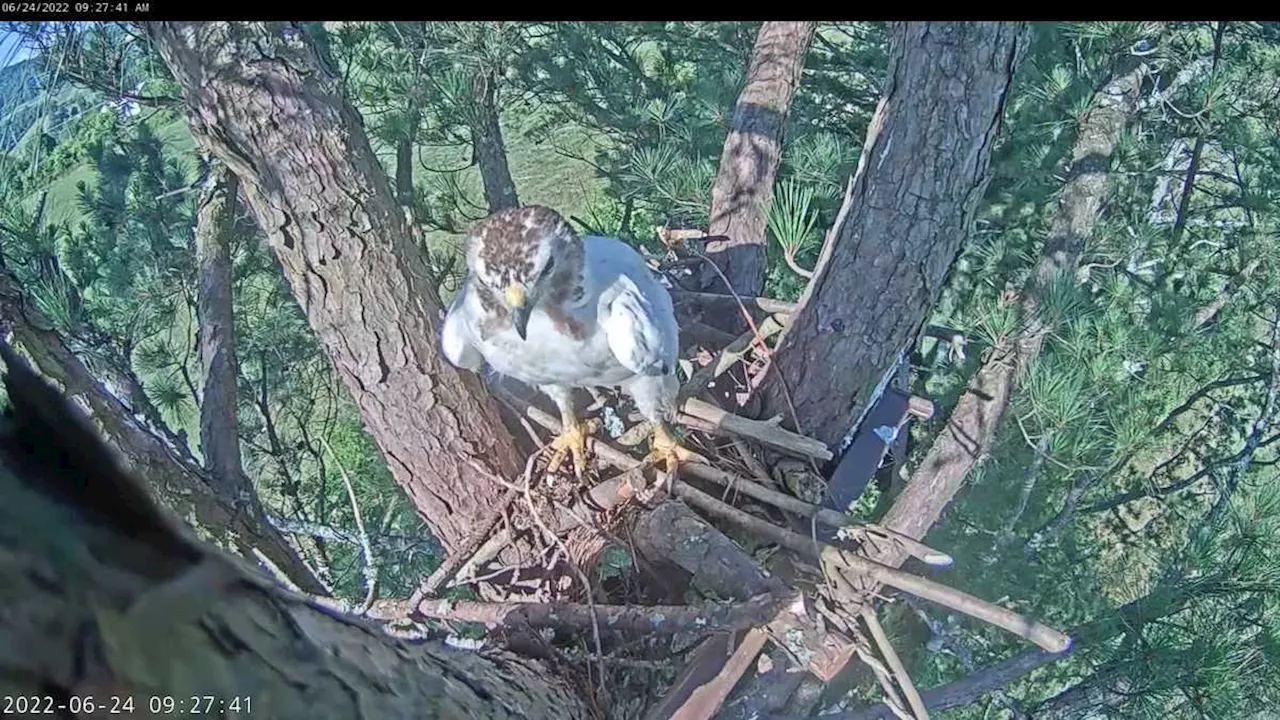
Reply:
x=525 y=256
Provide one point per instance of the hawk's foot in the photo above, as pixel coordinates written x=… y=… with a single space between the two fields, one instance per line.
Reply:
x=571 y=442
x=668 y=452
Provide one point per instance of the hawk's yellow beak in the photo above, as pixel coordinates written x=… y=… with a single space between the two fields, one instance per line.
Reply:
x=516 y=296
x=517 y=300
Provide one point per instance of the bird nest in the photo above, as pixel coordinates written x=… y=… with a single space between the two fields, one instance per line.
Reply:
x=606 y=546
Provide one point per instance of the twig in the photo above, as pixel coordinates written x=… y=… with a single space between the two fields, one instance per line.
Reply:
x=582 y=576
x=450 y=567
x=488 y=551
x=760 y=343
x=826 y=516
x=371 y=567
x=622 y=461
x=753 y=463
x=895 y=664
x=892 y=697
x=1018 y=624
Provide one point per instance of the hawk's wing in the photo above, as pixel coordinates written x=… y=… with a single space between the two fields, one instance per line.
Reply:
x=455 y=337
x=641 y=328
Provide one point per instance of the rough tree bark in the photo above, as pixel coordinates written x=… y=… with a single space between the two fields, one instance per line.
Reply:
x=110 y=608
x=922 y=173
x=973 y=423
x=267 y=100
x=489 y=148
x=170 y=472
x=219 y=439
x=751 y=155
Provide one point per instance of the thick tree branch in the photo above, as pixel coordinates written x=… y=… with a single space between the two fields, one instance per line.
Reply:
x=170 y=473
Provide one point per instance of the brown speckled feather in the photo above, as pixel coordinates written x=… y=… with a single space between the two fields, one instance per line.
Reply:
x=507 y=243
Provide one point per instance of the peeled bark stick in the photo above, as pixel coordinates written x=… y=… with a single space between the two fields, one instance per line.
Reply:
x=613 y=619
x=769 y=433
x=1020 y=625
x=705 y=701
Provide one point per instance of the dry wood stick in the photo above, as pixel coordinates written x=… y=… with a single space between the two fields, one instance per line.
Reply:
x=826 y=516
x=765 y=304
x=895 y=664
x=634 y=619
x=1020 y=625
x=769 y=433
x=450 y=567
x=705 y=701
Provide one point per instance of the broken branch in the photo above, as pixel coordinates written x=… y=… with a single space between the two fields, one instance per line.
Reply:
x=450 y=567
x=769 y=433
x=895 y=664
x=1020 y=625
x=616 y=619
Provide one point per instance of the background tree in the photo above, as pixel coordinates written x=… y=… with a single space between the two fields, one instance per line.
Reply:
x=387 y=354
x=437 y=87
x=872 y=323
x=752 y=153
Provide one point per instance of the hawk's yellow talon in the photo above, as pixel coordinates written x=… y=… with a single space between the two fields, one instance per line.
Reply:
x=572 y=442
x=668 y=452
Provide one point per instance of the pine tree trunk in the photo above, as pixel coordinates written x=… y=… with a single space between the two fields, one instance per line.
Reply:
x=922 y=173
x=167 y=468
x=751 y=156
x=972 y=426
x=267 y=100
x=112 y=610
x=219 y=435
x=490 y=150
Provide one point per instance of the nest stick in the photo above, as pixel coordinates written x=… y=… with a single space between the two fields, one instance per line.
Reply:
x=764 y=304
x=615 y=619
x=1013 y=622
x=474 y=543
x=769 y=433
x=895 y=664
x=826 y=516
x=622 y=461
x=706 y=701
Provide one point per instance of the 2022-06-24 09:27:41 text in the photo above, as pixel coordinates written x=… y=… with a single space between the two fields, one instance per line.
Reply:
x=125 y=705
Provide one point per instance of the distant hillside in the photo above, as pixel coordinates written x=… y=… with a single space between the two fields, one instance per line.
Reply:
x=19 y=91
x=30 y=105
